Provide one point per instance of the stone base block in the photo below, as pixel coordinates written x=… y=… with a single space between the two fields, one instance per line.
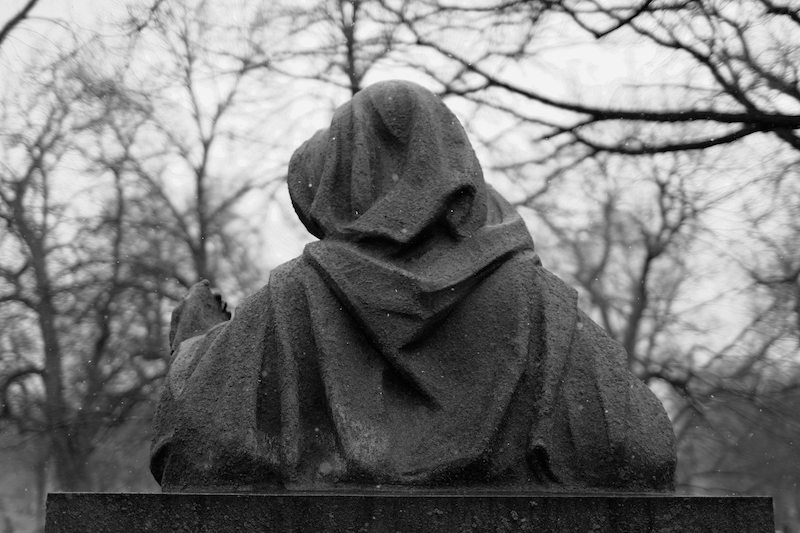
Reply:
x=367 y=512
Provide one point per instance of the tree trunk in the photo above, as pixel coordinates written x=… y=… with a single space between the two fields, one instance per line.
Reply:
x=71 y=474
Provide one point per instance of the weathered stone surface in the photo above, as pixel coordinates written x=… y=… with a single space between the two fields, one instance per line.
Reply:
x=198 y=312
x=418 y=342
x=406 y=513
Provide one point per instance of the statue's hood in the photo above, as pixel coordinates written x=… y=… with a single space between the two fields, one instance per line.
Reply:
x=394 y=162
x=407 y=224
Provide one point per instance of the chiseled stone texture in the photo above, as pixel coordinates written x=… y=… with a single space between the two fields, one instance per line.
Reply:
x=420 y=342
x=405 y=512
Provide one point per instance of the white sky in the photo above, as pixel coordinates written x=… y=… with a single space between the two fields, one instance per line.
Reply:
x=47 y=25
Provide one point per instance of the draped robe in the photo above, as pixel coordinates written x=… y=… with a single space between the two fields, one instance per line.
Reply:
x=418 y=343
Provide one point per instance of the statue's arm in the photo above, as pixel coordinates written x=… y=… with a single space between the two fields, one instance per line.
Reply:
x=615 y=433
x=635 y=437
x=598 y=426
x=207 y=411
x=196 y=320
x=198 y=314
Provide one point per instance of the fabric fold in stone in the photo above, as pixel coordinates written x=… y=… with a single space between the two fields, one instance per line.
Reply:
x=419 y=342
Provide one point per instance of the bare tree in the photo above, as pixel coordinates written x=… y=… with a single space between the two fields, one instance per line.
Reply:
x=336 y=42
x=742 y=60
x=203 y=159
x=86 y=347
x=101 y=233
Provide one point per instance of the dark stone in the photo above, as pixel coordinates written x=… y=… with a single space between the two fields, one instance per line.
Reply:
x=204 y=310
x=419 y=342
x=404 y=512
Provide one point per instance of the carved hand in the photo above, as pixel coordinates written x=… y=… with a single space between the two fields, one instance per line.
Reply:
x=197 y=312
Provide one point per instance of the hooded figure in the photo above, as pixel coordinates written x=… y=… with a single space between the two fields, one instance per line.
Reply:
x=419 y=342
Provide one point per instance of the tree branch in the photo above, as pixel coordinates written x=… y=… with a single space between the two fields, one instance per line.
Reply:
x=19 y=17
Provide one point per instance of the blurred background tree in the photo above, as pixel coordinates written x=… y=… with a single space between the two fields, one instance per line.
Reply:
x=651 y=145
x=84 y=346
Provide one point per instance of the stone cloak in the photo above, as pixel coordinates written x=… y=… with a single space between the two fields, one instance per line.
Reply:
x=419 y=342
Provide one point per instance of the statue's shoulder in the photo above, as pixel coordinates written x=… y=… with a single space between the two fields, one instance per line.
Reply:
x=549 y=286
x=290 y=271
x=284 y=279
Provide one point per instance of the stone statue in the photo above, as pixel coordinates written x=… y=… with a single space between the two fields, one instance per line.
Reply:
x=418 y=343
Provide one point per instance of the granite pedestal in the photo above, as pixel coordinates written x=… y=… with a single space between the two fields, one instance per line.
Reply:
x=366 y=512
